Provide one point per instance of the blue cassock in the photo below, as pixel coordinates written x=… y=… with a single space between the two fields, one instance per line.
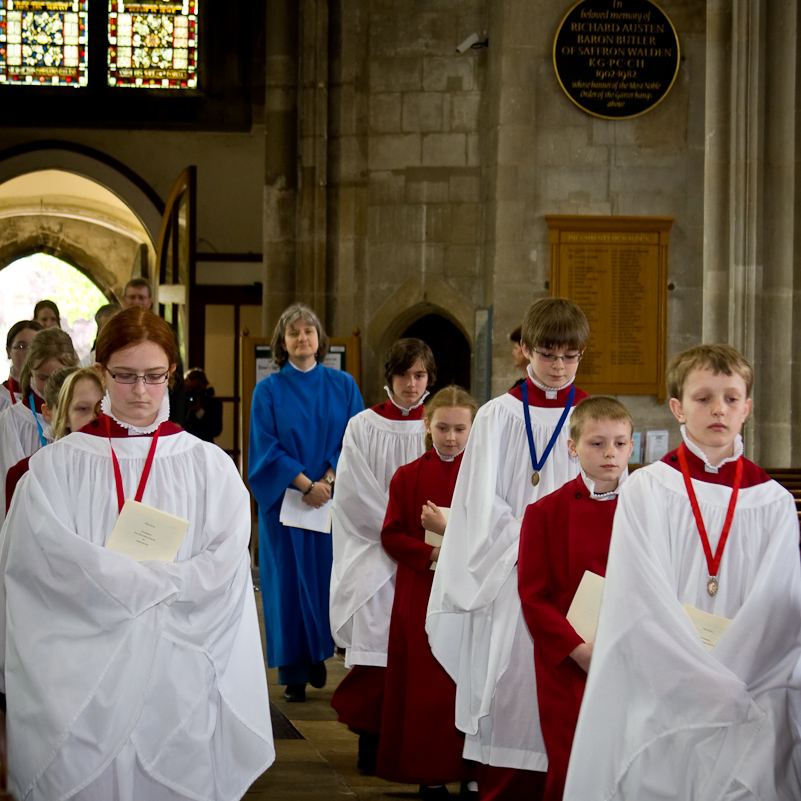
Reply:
x=296 y=426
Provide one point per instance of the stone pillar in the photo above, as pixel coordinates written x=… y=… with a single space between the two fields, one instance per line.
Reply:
x=280 y=162
x=313 y=156
x=777 y=443
x=749 y=205
x=348 y=109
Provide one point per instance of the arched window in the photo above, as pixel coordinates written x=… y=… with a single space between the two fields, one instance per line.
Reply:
x=43 y=277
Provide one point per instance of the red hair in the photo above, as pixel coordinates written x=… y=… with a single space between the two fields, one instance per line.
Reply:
x=132 y=327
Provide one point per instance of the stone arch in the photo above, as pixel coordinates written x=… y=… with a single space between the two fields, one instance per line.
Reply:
x=125 y=183
x=77 y=245
x=412 y=301
x=107 y=231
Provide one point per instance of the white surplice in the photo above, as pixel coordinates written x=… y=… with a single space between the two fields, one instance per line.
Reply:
x=662 y=717
x=475 y=621
x=130 y=680
x=19 y=438
x=363 y=575
x=5 y=398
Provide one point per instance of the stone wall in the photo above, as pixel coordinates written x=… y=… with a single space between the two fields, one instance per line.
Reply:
x=411 y=186
x=449 y=163
x=552 y=158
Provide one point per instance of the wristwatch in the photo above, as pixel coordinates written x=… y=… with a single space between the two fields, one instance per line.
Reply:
x=329 y=480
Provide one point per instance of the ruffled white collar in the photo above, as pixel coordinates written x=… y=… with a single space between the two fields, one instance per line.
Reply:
x=550 y=392
x=448 y=458
x=708 y=466
x=403 y=410
x=300 y=369
x=162 y=416
x=603 y=496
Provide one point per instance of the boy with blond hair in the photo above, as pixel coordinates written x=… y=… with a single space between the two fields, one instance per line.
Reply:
x=565 y=534
x=694 y=687
x=517 y=453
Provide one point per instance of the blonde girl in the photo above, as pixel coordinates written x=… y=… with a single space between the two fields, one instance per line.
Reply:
x=419 y=742
x=78 y=402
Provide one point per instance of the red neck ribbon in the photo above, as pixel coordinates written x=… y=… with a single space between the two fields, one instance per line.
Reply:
x=12 y=386
x=713 y=563
x=145 y=472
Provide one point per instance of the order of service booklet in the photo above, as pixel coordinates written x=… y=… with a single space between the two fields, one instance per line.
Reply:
x=586 y=606
x=297 y=514
x=147 y=534
x=710 y=627
x=435 y=540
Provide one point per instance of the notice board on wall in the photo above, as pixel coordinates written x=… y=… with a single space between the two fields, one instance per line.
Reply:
x=615 y=269
x=344 y=353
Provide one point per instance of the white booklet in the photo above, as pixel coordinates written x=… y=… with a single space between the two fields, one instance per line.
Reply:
x=147 y=534
x=297 y=514
x=435 y=540
x=709 y=626
x=586 y=606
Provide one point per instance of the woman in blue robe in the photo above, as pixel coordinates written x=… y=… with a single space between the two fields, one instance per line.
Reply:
x=297 y=421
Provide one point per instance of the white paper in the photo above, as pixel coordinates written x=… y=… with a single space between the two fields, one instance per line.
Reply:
x=709 y=626
x=296 y=513
x=586 y=605
x=147 y=534
x=656 y=445
x=435 y=540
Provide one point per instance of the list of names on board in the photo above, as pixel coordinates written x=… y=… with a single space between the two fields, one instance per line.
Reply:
x=617 y=277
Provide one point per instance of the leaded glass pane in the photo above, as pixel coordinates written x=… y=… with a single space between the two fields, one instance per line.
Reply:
x=43 y=43
x=153 y=45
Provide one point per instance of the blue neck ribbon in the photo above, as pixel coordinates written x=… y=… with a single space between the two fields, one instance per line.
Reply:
x=539 y=464
x=38 y=424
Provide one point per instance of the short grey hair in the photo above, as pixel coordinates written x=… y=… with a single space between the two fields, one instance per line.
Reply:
x=290 y=315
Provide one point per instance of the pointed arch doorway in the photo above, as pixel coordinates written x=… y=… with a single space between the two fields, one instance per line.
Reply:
x=450 y=347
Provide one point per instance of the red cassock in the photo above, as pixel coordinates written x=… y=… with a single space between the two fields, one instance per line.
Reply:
x=419 y=740
x=563 y=534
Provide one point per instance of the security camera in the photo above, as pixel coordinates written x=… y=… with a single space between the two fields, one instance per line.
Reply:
x=467 y=43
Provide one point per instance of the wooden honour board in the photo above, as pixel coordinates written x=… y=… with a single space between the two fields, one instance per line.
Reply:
x=615 y=269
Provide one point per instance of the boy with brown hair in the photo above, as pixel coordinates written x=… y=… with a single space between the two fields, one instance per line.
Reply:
x=517 y=453
x=565 y=534
x=694 y=687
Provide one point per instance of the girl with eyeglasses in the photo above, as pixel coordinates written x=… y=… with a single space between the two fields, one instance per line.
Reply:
x=19 y=339
x=146 y=678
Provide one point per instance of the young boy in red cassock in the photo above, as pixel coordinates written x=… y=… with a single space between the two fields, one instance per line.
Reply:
x=565 y=534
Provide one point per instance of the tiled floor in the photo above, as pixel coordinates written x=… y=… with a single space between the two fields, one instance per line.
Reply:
x=322 y=765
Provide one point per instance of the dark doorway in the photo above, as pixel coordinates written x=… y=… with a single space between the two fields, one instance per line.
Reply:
x=450 y=346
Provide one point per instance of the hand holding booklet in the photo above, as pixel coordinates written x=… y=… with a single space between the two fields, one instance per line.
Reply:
x=147 y=534
x=586 y=606
x=434 y=539
x=294 y=512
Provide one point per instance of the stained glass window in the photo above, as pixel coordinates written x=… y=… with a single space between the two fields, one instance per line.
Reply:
x=43 y=42
x=153 y=45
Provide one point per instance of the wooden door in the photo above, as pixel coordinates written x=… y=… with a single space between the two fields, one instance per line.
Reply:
x=176 y=256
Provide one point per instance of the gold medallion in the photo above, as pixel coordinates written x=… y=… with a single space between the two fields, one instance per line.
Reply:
x=535 y=478
x=712 y=586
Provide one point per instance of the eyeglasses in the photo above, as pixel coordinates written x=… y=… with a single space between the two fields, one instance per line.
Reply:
x=21 y=346
x=148 y=378
x=548 y=357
